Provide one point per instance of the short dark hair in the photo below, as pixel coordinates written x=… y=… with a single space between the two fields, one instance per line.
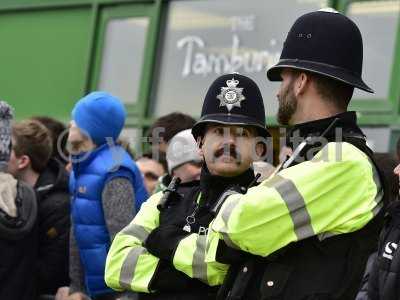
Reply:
x=331 y=90
x=33 y=139
x=57 y=130
x=172 y=123
x=161 y=158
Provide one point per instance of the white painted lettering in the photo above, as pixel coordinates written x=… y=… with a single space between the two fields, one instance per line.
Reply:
x=197 y=61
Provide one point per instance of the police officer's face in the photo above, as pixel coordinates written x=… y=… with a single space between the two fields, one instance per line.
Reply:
x=229 y=150
x=286 y=97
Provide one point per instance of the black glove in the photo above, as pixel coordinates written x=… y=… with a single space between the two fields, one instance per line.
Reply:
x=163 y=241
x=169 y=279
x=230 y=256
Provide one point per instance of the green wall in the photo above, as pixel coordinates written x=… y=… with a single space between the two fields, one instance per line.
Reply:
x=43 y=60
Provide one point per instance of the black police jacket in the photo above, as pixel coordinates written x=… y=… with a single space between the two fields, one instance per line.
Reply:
x=309 y=269
x=197 y=197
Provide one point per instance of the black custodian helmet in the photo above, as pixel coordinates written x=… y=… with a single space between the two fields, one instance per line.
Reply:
x=324 y=42
x=233 y=99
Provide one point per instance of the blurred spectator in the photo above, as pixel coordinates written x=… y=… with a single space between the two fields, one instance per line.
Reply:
x=265 y=169
x=124 y=143
x=376 y=280
x=18 y=229
x=31 y=162
x=59 y=137
x=183 y=158
x=398 y=149
x=397 y=169
x=151 y=170
x=388 y=163
x=163 y=129
x=106 y=186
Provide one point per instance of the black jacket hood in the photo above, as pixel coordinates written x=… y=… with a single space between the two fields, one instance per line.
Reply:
x=53 y=178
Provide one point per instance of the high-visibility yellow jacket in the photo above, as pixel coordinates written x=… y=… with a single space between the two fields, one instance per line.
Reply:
x=130 y=266
x=336 y=192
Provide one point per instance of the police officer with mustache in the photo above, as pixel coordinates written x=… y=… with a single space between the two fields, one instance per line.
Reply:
x=158 y=253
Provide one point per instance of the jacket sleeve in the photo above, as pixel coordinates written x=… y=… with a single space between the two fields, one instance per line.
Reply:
x=117 y=201
x=337 y=192
x=129 y=266
x=54 y=242
x=76 y=276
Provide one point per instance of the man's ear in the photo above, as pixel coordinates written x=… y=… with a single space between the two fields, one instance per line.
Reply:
x=200 y=145
x=23 y=162
x=301 y=84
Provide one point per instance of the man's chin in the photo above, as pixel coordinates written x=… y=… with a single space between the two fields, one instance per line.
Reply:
x=228 y=169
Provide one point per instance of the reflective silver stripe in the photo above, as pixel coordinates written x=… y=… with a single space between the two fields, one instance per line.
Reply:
x=44 y=188
x=228 y=241
x=137 y=231
x=325 y=235
x=129 y=266
x=199 y=256
x=295 y=204
x=273 y=181
x=378 y=208
x=226 y=214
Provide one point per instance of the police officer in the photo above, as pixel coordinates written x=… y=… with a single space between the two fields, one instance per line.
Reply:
x=165 y=245
x=311 y=226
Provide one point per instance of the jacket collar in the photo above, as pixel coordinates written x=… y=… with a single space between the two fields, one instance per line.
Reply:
x=212 y=186
x=54 y=177
x=84 y=159
x=343 y=123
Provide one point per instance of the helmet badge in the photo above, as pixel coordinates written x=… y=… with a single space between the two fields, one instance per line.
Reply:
x=231 y=95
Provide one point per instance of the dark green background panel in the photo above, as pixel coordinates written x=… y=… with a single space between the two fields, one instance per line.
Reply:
x=43 y=60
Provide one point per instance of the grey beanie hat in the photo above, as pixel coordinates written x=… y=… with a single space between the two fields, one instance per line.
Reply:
x=6 y=116
x=182 y=148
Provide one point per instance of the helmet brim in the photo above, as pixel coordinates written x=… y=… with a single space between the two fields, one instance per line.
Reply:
x=228 y=119
x=337 y=73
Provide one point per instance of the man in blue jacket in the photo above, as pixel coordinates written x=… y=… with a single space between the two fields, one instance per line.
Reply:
x=106 y=188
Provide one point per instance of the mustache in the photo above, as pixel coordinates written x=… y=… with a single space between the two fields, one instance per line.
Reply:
x=230 y=150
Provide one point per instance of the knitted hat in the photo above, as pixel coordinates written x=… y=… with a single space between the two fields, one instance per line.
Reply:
x=6 y=116
x=100 y=115
x=182 y=148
